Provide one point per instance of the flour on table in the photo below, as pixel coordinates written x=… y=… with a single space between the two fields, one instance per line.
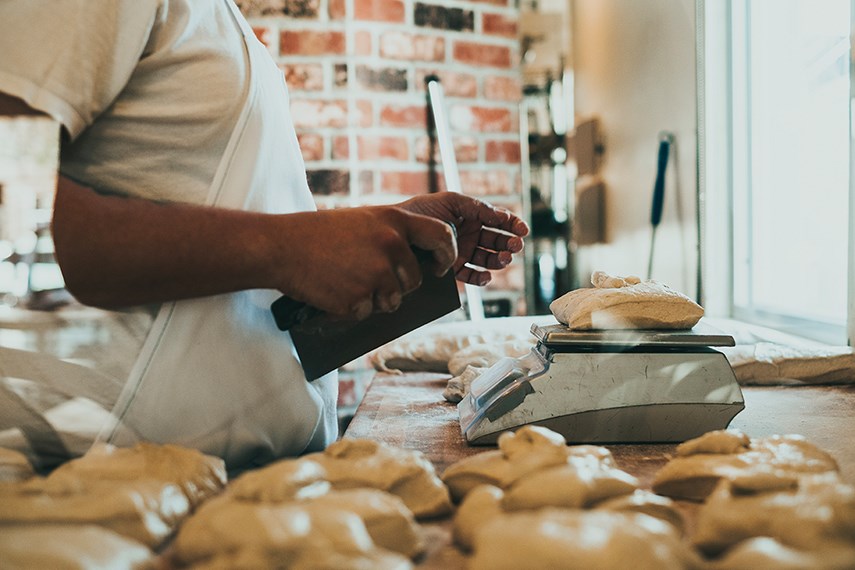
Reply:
x=625 y=303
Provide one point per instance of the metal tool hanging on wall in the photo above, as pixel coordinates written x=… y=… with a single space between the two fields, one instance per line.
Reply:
x=666 y=139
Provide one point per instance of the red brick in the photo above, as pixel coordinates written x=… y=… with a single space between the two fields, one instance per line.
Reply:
x=364 y=113
x=340 y=148
x=415 y=47
x=502 y=151
x=366 y=182
x=363 y=43
x=325 y=182
x=413 y=116
x=379 y=10
x=337 y=9
x=311 y=146
x=311 y=42
x=304 y=76
x=264 y=34
x=310 y=113
x=481 y=119
x=479 y=54
x=382 y=148
x=501 y=88
x=382 y=78
x=465 y=149
x=406 y=183
x=499 y=25
x=485 y=182
x=453 y=84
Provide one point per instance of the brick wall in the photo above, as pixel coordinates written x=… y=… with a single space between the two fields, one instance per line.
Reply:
x=356 y=69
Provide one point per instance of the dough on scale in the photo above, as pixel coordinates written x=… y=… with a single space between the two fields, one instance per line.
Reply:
x=14 y=466
x=560 y=538
x=70 y=547
x=355 y=463
x=625 y=303
x=198 y=475
x=728 y=454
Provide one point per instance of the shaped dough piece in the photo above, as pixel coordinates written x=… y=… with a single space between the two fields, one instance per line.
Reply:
x=555 y=538
x=146 y=511
x=625 y=303
x=70 y=547
x=223 y=526
x=14 y=466
x=354 y=463
x=646 y=503
x=255 y=559
x=529 y=449
x=764 y=552
x=818 y=510
x=198 y=475
x=486 y=355
x=481 y=505
x=286 y=480
x=458 y=386
x=703 y=462
x=389 y=522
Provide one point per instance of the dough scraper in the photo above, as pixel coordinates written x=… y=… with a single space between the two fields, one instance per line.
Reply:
x=608 y=386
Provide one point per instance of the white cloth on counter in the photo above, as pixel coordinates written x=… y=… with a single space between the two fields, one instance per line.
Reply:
x=762 y=356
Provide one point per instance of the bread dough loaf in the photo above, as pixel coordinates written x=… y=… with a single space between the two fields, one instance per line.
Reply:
x=647 y=503
x=557 y=538
x=625 y=303
x=14 y=466
x=285 y=480
x=355 y=463
x=481 y=505
x=701 y=463
x=256 y=559
x=199 y=476
x=70 y=547
x=567 y=486
x=223 y=526
x=146 y=511
x=807 y=513
x=765 y=552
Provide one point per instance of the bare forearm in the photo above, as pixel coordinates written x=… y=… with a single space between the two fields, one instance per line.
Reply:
x=117 y=251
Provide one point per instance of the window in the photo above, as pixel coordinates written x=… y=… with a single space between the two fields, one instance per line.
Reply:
x=776 y=120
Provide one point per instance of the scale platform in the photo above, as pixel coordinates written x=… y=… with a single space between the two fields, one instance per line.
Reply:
x=608 y=386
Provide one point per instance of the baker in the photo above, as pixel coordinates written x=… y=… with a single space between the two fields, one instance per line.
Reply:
x=182 y=192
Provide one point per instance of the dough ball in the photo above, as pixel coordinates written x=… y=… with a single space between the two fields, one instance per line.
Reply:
x=555 y=538
x=765 y=552
x=566 y=486
x=647 y=503
x=479 y=507
x=625 y=303
x=458 y=386
x=285 y=480
x=14 y=465
x=255 y=559
x=355 y=463
x=199 y=476
x=71 y=547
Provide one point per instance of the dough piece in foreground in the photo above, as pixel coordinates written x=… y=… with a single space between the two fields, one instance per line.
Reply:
x=525 y=451
x=285 y=480
x=702 y=462
x=223 y=526
x=354 y=463
x=481 y=505
x=14 y=466
x=557 y=538
x=805 y=513
x=458 y=386
x=647 y=503
x=256 y=559
x=198 y=475
x=765 y=552
x=625 y=303
x=146 y=511
x=70 y=547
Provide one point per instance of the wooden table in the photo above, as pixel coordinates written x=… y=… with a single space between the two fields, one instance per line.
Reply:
x=408 y=410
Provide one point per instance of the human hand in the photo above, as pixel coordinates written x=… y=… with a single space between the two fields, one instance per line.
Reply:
x=351 y=262
x=487 y=237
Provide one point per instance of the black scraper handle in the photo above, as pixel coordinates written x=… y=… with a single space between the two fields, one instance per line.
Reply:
x=287 y=312
x=659 y=185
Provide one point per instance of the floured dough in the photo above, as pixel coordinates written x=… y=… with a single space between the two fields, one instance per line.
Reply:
x=481 y=505
x=354 y=463
x=458 y=386
x=486 y=355
x=808 y=514
x=625 y=303
x=645 y=502
x=14 y=465
x=527 y=450
x=285 y=480
x=198 y=475
x=765 y=552
x=70 y=547
x=567 y=486
x=722 y=454
x=556 y=538
x=146 y=511
x=257 y=559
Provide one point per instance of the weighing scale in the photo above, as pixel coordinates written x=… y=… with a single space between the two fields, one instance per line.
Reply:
x=608 y=386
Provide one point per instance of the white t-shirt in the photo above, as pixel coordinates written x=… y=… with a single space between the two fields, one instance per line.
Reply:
x=140 y=122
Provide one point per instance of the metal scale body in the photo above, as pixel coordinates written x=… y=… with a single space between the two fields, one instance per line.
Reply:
x=608 y=386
